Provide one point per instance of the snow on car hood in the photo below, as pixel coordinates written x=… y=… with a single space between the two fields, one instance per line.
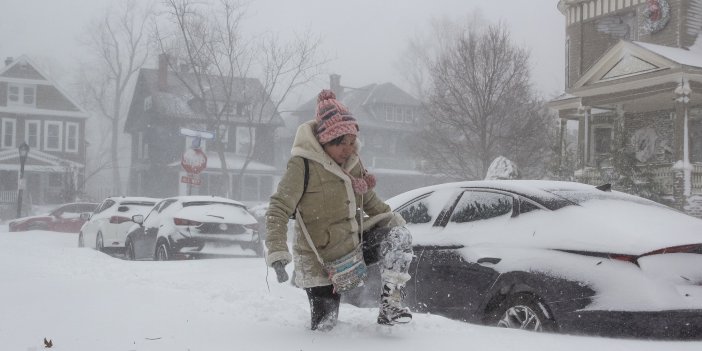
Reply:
x=216 y=213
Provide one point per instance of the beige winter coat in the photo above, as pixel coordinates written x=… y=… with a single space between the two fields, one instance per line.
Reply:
x=328 y=209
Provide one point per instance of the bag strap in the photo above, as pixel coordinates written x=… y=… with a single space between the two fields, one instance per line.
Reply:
x=307 y=236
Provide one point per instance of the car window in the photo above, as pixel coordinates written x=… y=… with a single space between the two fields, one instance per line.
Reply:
x=105 y=205
x=426 y=208
x=86 y=207
x=527 y=206
x=481 y=205
x=70 y=211
x=165 y=204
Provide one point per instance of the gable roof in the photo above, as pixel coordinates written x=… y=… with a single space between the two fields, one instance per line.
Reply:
x=23 y=70
x=175 y=100
x=361 y=101
x=632 y=65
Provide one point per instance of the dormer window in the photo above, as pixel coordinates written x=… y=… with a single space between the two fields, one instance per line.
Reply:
x=21 y=95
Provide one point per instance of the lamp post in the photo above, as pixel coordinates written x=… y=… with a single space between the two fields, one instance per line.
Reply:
x=23 y=151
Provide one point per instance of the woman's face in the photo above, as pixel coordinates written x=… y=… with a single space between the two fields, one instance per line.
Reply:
x=340 y=153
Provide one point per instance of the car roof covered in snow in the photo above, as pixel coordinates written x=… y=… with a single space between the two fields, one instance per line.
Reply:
x=204 y=198
x=542 y=190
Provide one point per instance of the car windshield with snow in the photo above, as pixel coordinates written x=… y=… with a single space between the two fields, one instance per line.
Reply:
x=551 y=256
x=192 y=226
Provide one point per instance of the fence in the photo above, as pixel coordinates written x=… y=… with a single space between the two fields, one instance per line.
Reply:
x=8 y=196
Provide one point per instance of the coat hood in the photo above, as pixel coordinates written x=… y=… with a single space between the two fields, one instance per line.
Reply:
x=306 y=145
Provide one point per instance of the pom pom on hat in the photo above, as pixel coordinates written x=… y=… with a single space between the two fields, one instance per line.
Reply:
x=333 y=118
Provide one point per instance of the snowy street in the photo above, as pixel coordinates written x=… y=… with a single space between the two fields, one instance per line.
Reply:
x=85 y=300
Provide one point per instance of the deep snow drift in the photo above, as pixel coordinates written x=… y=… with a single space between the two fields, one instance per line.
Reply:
x=85 y=300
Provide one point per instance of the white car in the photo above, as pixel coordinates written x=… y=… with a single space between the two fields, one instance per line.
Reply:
x=192 y=226
x=107 y=227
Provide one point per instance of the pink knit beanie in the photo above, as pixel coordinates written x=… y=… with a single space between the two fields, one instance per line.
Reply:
x=333 y=118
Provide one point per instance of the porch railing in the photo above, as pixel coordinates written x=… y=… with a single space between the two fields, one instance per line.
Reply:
x=8 y=196
x=662 y=173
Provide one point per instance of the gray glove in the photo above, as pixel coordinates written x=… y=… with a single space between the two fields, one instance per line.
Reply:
x=280 y=272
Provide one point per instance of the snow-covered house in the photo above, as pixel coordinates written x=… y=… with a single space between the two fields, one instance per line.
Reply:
x=634 y=74
x=35 y=110
x=162 y=104
x=389 y=119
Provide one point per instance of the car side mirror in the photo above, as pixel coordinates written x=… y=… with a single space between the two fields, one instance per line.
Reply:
x=85 y=216
x=138 y=219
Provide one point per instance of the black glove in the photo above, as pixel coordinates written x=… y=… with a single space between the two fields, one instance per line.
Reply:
x=279 y=267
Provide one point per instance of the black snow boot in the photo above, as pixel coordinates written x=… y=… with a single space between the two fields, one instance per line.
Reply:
x=391 y=310
x=324 y=307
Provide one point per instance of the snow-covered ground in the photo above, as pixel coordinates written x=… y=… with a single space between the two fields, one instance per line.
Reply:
x=85 y=300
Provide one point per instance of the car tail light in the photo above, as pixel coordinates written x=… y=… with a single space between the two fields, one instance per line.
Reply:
x=693 y=248
x=625 y=258
x=182 y=221
x=118 y=219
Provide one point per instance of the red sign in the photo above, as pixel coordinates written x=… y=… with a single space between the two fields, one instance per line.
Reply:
x=190 y=179
x=194 y=161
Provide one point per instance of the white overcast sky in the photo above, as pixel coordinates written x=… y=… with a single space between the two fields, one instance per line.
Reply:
x=364 y=38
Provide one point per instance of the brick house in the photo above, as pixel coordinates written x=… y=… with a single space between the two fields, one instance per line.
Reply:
x=35 y=110
x=162 y=105
x=389 y=119
x=634 y=73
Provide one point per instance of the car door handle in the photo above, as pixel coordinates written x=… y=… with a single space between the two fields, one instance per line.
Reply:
x=493 y=260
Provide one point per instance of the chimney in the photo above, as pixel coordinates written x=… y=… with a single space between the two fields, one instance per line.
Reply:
x=162 y=72
x=335 y=85
x=9 y=60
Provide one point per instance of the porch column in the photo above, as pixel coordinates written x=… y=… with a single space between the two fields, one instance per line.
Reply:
x=586 y=138
x=561 y=145
x=682 y=169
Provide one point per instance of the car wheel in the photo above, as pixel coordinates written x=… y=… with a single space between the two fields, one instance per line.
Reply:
x=524 y=311
x=99 y=244
x=162 y=252
x=81 y=243
x=129 y=251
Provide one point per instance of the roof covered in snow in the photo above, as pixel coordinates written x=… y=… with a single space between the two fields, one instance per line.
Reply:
x=367 y=104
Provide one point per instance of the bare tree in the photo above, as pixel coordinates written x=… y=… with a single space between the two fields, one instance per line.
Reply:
x=118 y=44
x=226 y=71
x=481 y=105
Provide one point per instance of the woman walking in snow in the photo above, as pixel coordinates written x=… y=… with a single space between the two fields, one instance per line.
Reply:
x=326 y=185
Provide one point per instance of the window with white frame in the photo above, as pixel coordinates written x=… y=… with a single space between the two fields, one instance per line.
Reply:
x=32 y=133
x=71 y=137
x=408 y=114
x=245 y=137
x=52 y=135
x=8 y=132
x=21 y=95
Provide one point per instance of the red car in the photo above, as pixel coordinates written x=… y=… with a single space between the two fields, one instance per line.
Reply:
x=65 y=218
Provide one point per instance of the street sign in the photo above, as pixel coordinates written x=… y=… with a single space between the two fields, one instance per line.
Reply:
x=194 y=161
x=197 y=133
x=191 y=179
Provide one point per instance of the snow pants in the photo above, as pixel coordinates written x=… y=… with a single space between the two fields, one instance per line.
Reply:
x=390 y=247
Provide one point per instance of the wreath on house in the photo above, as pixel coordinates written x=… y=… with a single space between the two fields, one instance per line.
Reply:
x=656 y=15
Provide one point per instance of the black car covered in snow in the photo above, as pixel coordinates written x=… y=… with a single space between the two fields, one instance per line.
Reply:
x=551 y=256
